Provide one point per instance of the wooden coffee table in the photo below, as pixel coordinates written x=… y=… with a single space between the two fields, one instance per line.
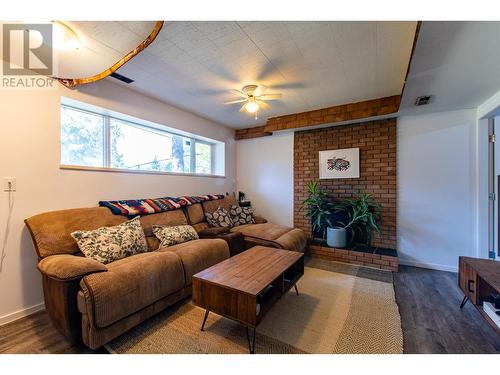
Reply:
x=243 y=288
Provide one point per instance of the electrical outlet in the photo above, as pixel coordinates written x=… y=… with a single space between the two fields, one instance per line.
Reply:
x=9 y=184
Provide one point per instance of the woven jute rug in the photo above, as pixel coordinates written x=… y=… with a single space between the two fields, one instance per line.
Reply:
x=340 y=309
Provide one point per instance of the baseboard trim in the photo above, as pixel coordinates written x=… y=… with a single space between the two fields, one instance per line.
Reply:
x=20 y=314
x=432 y=266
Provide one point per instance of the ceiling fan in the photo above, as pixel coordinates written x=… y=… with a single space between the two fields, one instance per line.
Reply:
x=253 y=98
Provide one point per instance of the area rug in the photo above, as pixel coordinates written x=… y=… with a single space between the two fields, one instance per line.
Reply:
x=340 y=309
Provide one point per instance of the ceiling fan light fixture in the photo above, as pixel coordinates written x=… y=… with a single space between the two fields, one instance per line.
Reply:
x=251 y=107
x=253 y=99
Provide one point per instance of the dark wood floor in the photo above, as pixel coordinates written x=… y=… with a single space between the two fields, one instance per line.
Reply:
x=35 y=334
x=431 y=319
x=428 y=302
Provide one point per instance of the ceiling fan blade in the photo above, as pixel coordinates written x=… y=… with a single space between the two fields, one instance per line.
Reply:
x=242 y=109
x=240 y=93
x=270 y=97
x=259 y=90
x=262 y=104
x=236 y=101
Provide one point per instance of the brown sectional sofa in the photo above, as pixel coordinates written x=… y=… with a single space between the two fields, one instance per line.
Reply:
x=93 y=303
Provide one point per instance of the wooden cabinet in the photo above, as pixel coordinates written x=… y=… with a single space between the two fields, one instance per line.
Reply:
x=478 y=279
x=468 y=280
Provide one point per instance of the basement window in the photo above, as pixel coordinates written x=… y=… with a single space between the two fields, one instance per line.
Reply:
x=97 y=139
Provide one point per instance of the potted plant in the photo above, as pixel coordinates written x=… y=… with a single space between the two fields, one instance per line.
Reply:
x=362 y=214
x=318 y=209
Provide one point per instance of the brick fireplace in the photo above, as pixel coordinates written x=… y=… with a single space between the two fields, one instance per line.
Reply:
x=377 y=143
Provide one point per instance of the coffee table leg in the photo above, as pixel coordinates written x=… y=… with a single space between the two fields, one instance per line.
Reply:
x=296 y=290
x=204 y=319
x=251 y=347
x=464 y=301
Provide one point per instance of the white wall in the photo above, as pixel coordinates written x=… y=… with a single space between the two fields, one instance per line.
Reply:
x=29 y=130
x=437 y=182
x=265 y=174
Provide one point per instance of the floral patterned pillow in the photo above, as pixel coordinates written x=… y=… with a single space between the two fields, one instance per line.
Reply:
x=108 y=244
x=172 y=235
x=241 y=215
x=220 y=218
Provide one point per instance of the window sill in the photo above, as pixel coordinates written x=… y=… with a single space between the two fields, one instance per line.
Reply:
x=135 y=171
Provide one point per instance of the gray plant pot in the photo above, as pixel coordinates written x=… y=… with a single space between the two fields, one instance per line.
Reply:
x=336 y=237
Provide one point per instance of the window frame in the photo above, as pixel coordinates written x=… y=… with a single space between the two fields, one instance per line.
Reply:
x=106 y=157
x=194 y=141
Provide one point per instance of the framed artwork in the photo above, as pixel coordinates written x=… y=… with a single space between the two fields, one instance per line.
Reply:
x=343 y=163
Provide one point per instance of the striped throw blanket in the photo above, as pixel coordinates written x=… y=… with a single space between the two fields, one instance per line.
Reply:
x=136 y=207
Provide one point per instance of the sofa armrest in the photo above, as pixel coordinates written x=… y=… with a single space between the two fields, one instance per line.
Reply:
x=213 y=232
x=259 y=219
x=66 y=267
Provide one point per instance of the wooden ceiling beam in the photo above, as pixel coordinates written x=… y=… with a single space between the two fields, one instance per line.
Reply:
x=251 y=133
x=330 y=115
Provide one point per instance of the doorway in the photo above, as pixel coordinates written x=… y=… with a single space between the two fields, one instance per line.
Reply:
x=493 y=188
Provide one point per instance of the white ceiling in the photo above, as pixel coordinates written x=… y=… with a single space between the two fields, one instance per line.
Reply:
x=194 y=65
x=458 y=62
x=103 y=44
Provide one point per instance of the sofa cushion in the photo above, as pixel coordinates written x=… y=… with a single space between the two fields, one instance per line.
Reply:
x=51 y=231
x=267 y=231
x=212 y=232
x=220 y=218
x=175 y=217
x=259 y=219
x=130 y=285
x=199 y=254
x=201 y=226
x=69 y=267
x=153 y=243
x=274 y=235
x=225 y=203
x=295 y=240
x=241 y=215
x=108 y=244
x=195 y=214
x=173 y=235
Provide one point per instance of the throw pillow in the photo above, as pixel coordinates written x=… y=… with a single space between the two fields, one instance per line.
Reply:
x=108 y=244
x=241 y=215
x=220 y=218
x=173 y=235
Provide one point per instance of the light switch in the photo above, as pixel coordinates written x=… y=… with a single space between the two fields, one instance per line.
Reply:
x=9 y=184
